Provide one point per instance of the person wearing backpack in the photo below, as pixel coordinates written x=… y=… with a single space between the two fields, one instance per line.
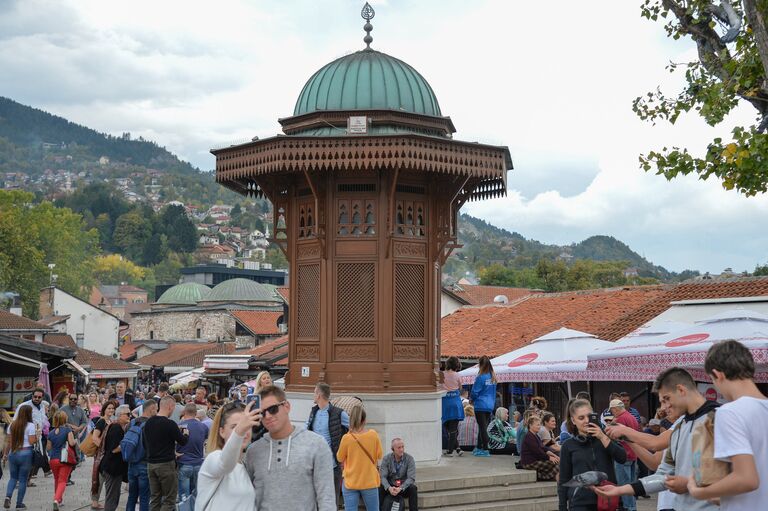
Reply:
x=132 y=447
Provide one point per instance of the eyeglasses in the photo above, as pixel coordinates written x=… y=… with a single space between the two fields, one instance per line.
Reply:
x=37 y=397
x=272 y=410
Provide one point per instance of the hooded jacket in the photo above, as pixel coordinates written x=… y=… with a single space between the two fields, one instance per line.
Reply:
x=581 y=454
x=483 y=393
x=678 y=460
x=292 y=473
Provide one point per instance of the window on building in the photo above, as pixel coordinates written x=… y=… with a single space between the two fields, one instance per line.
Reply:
x=199 y=333
x=151 y=334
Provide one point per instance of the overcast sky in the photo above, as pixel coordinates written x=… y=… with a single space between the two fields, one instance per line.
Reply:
x=553 y=81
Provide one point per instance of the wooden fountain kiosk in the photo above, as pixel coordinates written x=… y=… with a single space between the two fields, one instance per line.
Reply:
x=366 y=183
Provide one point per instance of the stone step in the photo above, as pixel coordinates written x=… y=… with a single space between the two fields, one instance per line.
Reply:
x=536 y=504
x=433 y=484
x=486 y=494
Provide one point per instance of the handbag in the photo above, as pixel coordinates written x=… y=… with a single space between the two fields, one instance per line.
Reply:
x=607 y=503
x=706 y=469
x=39 y=458
x=88 y=446
x=68 y=455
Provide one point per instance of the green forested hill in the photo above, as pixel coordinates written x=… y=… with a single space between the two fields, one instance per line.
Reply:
x=28 y=128
x=486 y=245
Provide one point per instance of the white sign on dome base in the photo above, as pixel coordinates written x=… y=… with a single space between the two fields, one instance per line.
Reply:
x=357 y=125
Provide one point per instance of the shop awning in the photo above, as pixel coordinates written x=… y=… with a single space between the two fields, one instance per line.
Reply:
x=14 y=358
x=75 y=366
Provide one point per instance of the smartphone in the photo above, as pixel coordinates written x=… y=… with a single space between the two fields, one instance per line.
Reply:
x=256 y=399
x=594 y=418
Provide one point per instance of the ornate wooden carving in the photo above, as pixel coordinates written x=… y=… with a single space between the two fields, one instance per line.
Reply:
x=404 y=249
x=308 y=251
x=409 y=352
x=308 y=301
x=308 y=352
x=353 y=352
x=409 y=301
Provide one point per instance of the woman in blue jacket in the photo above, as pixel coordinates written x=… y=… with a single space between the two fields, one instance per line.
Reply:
x=483 y=397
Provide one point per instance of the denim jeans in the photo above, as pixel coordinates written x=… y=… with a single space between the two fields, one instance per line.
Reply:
x=20 y=465
x=626 y=473
x=352 y=498
x=138 y=487
x=187 y=480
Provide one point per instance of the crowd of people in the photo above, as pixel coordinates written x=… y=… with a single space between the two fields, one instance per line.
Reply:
x=686 y=457
x=195 y=452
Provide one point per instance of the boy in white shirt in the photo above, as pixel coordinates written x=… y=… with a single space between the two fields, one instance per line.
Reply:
x=740 y=437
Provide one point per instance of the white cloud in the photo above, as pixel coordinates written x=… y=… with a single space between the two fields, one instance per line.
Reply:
x=554 y=82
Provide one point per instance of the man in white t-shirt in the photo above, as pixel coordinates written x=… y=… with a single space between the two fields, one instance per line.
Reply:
x=740 y=437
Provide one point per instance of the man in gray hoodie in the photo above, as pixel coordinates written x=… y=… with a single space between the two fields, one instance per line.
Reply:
x=678 y=390
x=291 y=468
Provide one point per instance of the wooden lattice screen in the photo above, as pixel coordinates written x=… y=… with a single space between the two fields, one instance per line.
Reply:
x=409 y=301
x=355 y=300
x=308 y=312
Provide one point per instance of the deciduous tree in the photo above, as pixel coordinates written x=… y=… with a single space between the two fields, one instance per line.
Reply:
x=731 y=69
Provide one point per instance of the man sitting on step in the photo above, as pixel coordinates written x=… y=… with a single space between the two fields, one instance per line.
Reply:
x=398 y=477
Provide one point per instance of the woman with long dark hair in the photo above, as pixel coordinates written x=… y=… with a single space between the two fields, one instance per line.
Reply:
x=97 y=482
x=23 y=435
x=453 y=411
x=483 y=398
x=589 y=448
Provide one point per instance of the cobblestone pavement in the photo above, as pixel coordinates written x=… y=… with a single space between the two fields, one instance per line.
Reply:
x=77 y=497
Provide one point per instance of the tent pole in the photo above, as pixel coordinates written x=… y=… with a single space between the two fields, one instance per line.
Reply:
x=570 y=394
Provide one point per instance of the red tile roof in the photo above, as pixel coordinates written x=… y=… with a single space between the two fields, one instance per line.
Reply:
x=93 y=361
x=497 y=329
x=62 y=340
x=484 y=295
x=258 y=322
x=689 y=290
x=283 y=291
x=9 y=321
x=53 y=320
x=128 y=350
x=267 y=348
x=186 y=354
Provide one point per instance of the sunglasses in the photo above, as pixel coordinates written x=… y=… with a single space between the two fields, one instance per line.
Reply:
x=272 y=410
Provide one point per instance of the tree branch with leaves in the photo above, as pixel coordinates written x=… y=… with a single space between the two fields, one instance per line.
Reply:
x=731 y=69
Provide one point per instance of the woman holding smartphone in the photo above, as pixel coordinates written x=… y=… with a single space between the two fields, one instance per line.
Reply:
x=588 y=449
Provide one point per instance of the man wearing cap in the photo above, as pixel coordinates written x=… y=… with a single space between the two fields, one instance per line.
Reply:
x=625 y=472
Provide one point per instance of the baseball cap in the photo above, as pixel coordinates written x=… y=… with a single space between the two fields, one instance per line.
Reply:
x=654 y=422
x=616 y=403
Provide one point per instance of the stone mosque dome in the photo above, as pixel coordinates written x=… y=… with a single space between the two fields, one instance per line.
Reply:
x=367 y=80
x=188 y=293
x=242 y=290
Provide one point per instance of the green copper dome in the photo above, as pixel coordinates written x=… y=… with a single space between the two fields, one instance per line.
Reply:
x=242 y=290
x=188 y=293
x=367 y=80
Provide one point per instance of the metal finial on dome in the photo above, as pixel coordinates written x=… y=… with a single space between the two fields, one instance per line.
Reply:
x=368 y=13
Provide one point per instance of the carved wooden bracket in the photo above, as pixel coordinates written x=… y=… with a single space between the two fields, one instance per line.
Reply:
x=319 y=195
x=391 y=212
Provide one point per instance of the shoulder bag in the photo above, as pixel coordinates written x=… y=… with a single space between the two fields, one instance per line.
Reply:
x=365 y=451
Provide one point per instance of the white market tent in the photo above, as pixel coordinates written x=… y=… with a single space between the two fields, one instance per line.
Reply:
x=187 y=377
x=642 y=358
x=555 y=357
